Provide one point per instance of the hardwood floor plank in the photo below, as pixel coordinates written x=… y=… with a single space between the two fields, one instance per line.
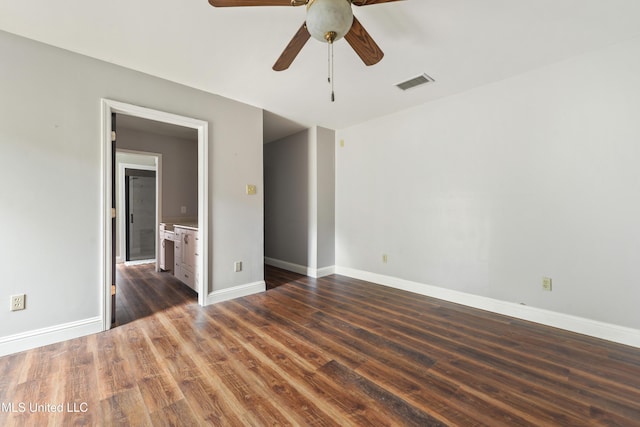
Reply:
x=123 y=409
x=113 y=369
x=11 y=370
x=303 y=329
x=388 y=403
x=269 y=367
x=176 y=414
x=227 y=379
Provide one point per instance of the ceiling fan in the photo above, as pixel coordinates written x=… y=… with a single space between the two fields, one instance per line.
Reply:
x=327 y=21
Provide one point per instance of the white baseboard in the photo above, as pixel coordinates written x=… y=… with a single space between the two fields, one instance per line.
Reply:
x=300 y=269
x=50 y=335
x=289 y=266
x=593 y=328
x=139 y=262
x=325 y=271
x=236 y=292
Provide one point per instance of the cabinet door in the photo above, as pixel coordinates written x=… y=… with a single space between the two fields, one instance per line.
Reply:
x=166 y=255
x=189 y=244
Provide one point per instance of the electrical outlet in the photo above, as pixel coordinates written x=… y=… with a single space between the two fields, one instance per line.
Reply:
x=251 y=189
x=17 y=302
x=546 y=283
x=183 y=209
x=237 y=266
x=385 y=258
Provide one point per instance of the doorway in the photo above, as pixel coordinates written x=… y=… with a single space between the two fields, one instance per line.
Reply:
x=109 y=108
x=140 y=213
x=137 y=163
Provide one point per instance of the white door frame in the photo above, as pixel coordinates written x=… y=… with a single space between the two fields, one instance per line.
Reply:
x=202 y=274
x=121 y=203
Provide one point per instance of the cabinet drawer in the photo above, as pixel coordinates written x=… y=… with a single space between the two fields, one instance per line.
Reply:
x=167 y=235
x=188 y=278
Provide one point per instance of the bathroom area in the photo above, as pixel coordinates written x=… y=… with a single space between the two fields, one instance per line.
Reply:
x=156 y=170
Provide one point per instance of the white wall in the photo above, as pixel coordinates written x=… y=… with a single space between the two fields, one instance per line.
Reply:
x=488 y=191
x=50 y=167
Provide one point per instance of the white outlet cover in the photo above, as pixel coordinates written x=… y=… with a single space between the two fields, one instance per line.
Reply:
x=17 y=302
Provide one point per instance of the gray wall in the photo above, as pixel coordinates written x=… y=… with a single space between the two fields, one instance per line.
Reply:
x=50 y=122
x=326 y=197
x=299 y=199
x=179 y=168
x=286 y=206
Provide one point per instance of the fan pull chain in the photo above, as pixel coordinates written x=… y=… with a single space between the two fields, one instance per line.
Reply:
x=329 y=62
x=330 y=37
x=333 y=96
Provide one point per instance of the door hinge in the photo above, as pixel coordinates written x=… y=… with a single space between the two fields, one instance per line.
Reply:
x=113 y=136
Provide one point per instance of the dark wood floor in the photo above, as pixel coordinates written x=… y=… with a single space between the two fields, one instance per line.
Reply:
x=332 y=351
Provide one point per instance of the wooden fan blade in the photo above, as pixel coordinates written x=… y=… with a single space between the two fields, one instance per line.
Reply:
x=363 y=44
x=293 y=49
x=369 y=2
x=234 y=3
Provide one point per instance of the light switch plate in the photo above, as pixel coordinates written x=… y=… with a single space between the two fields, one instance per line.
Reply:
x=251 y=189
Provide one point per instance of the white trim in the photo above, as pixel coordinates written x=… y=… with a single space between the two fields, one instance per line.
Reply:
x=325 y=271
x=49 y=335
x=289 y=266
x=109 y=106
x=236 y=292
x=593 y=328
x=139 y=262
x=300 y=269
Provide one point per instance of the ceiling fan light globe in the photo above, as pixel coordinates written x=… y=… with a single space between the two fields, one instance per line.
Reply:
x=326 y=16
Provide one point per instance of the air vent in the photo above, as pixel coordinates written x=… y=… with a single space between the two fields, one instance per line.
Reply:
x=416 y=81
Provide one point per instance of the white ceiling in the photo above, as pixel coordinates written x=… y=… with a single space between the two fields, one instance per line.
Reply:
x=462 y=44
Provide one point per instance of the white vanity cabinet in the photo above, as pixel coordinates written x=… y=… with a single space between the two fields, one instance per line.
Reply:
x=186 y=254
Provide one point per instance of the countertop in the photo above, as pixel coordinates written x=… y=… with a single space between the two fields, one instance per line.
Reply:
x=191 y=224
